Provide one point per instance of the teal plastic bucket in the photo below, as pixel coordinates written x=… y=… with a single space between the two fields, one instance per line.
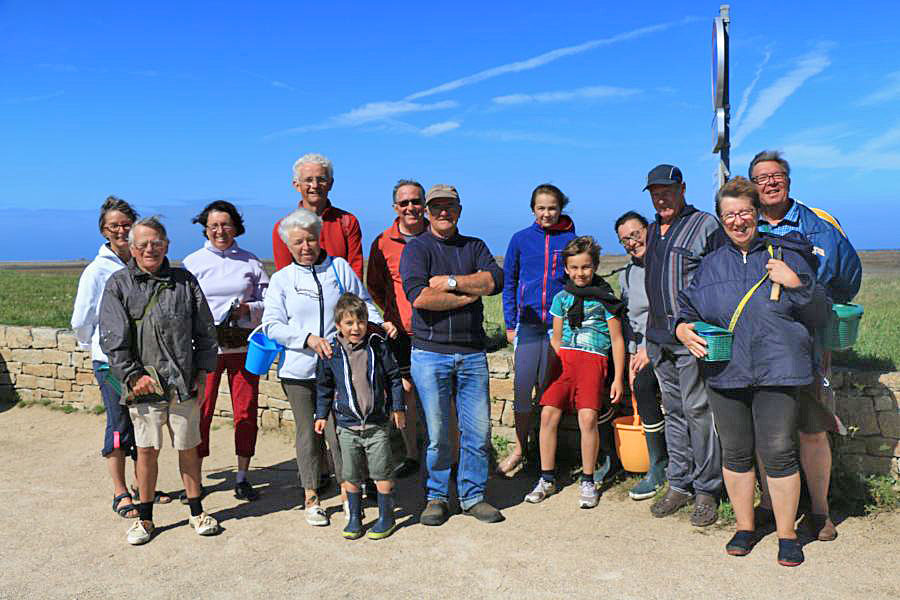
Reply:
x=718 y=341
x=843 y=328
x=261 y=352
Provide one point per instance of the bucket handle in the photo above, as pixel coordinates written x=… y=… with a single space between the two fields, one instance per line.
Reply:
x=636 y=419
x=255 y=329
x=280 y=356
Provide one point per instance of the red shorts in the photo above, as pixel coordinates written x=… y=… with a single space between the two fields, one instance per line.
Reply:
x=582 y=383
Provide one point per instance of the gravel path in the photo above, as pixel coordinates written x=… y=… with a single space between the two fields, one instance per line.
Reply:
x=60 y=539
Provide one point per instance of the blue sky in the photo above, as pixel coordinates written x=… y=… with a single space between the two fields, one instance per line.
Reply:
x=172 y=105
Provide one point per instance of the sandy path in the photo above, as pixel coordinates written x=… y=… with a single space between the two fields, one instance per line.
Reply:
x=60 y=539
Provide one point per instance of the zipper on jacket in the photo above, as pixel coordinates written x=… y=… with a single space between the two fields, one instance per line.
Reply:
x=312 y=270
x=544 y=280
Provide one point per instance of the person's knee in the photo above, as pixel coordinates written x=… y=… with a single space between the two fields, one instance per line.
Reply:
x=550 y=417
x=738 y=460
x=587 y=420
x=813 y=440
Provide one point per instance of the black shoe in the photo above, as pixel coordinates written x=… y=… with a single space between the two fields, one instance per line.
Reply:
x=790 y=553
x=706 y=510
x=741 y=544
x=244 y=491
x=436 y=513
x=407 y=468
x=671 y=503
x=484 y=512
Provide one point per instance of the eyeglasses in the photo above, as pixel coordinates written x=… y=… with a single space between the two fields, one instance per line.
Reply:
x=633 y=238
x=405 y=203
x=767 y=177
x=311 y=180
x=116 y=227
x=220 y=227
x=745 y=215
x=437 y=209
x=155 y=244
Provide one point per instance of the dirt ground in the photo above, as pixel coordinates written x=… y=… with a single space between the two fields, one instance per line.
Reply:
x=60 y=539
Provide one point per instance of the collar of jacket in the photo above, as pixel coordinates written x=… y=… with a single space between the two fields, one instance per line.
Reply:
x=565 y=223
x=686 y=210
x=323 y=256
x=395 y=234
x=793 y=241
x=229 y=251
x=164 y=273
x=107 y=253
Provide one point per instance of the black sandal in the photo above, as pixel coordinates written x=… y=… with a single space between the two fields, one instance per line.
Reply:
x=123 y=511
x=158 y=498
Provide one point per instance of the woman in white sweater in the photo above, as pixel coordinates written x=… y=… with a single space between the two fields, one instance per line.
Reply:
x=299 y=314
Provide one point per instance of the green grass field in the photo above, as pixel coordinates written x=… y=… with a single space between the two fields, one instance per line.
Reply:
x=45 y=297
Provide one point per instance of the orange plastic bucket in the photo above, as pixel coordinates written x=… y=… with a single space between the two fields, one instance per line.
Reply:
x=631 y=444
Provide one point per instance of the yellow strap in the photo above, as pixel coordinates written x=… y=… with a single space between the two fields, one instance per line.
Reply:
x=746 y=298
x=827 y=217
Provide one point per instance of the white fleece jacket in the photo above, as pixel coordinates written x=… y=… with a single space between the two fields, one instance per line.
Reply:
x=300 y=302
x=86 y=313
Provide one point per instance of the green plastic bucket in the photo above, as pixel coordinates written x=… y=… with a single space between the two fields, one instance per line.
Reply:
x=718 y=341
x=843 y=328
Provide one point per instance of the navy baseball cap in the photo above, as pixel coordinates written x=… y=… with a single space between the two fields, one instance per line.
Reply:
x=663 y=175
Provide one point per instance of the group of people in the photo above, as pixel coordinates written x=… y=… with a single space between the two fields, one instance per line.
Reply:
x=362 y=359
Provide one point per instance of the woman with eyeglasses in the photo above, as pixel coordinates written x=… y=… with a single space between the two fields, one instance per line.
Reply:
x=299 y=314
x=234 y=283
x=752 y=395
x=631 y=228
x=116 y=219
x=533 y=272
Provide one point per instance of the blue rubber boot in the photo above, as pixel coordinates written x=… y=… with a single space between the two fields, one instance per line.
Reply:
x=656 y=475
x=354 y=529
x=385 y=525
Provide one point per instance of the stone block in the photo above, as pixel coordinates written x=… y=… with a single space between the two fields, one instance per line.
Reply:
x=42 y=370
x=887 y=400
x=27 y=357
x=226 y=412
x=57 y=357
x=287 y=415
x=13 y=366
x=65 y=373
x=91 y=395
x=67 y=342
x=858 y=412
x=83 y=378
x=497 y=410
x=271 y=419
x=52 y=394
x=45 y=383
x=508 y=418
x=851 y=446
x=279 y=404
x=3 y=335
x=262 y=401
x=62 y=385
x=43 y=337
x=890 y=380
x=880 y=446
x=18 y=337
x=25 y=381
x=26 y=395
x=272 y=389
x=837 y=379
x=501 y=388
x=895 y=468
x=889 y=422
x=499 y=365
x=289 y=427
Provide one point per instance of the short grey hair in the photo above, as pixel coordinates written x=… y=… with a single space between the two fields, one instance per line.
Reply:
x=314 y=159
x=403 y=182
x=300 y=219
x=153 y=223
x=766 y=156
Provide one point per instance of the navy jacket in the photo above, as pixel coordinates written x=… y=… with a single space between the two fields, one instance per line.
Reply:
x=334 y=387
x=533 y=272
x=448 y=331
x=772 y=343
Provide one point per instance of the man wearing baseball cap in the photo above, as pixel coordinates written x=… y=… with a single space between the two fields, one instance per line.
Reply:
x=445 y=274
x=676 y=241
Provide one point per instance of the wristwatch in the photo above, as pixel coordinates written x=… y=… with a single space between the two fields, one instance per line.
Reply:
x=451 y=282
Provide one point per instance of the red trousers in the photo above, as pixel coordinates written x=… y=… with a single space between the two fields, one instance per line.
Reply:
x=244 y=388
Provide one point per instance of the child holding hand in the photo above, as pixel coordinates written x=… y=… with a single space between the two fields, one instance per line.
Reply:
x=586 y=327
x=361 y=383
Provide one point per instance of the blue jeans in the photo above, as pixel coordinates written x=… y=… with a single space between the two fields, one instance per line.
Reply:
x=436 y=377
x=119 y=433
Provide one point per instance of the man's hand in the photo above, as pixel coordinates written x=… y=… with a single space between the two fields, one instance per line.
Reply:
x=319 y=345
x=617 y=391
x=439 y=282
x=779 y=272
x=143 y=386
x=695 y=344
x=319 y=426
x=510 y=336
x=639 y=360
x=400 y=419
x=243 y=310
x=390 y=329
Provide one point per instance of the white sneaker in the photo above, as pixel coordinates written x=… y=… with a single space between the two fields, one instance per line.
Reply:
x=204 y=524
x=316 y=516
x=541 y=491
x=589 y=497
x=140 y=532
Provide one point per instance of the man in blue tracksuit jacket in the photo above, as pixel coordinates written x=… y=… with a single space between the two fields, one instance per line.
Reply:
x=840 y=271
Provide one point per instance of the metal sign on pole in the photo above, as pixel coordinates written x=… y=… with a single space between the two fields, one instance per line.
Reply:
x=721 y=107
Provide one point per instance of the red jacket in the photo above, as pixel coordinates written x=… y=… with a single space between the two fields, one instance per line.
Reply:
x=340 y=236
x=383 y=276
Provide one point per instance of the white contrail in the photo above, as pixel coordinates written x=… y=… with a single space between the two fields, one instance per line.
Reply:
x=585 y=93
x=745 y=97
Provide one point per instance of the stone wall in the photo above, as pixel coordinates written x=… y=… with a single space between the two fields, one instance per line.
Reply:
x=46 y=364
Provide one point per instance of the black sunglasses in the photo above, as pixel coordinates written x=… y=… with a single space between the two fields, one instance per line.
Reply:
x=405 y=203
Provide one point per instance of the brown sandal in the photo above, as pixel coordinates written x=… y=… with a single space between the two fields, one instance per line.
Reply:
x=509 y=464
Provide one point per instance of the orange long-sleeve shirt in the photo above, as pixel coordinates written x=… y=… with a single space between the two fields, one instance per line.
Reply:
x=340 y=236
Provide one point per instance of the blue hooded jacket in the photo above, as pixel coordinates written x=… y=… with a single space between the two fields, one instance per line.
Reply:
x=772 y=343
x=533 y=272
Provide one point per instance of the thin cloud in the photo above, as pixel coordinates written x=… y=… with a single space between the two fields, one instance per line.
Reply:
x=745 y=97
x=890 y=91
x=545 y=58
x=585 y=93
x=281 y=84
x=774 y=96
x=439 y=128
x=39 y=98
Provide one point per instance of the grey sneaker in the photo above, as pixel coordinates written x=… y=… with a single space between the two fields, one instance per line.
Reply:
x=316 y=516
x=589 y=496
x=706 y=510
x=140 y=532
x=204 y=524
x=541 y=491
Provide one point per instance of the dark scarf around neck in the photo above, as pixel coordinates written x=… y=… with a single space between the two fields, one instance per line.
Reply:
x=597 y=290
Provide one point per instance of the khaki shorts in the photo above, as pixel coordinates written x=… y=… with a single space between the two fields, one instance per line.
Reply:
x=181 y=418
x=366 y=452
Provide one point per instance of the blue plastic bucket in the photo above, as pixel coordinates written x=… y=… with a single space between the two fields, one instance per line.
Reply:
x=261 y=352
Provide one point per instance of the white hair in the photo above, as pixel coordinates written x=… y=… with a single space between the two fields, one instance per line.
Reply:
x=153 y=223
x=314 y=159
x=301 y=218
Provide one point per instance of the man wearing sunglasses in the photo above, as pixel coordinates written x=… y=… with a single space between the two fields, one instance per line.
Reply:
x=445 y=274
x=386 y=288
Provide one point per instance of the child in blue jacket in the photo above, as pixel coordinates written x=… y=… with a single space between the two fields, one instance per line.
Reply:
x=361 y=384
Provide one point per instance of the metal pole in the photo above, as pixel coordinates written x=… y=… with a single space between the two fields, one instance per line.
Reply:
x=725 y=152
